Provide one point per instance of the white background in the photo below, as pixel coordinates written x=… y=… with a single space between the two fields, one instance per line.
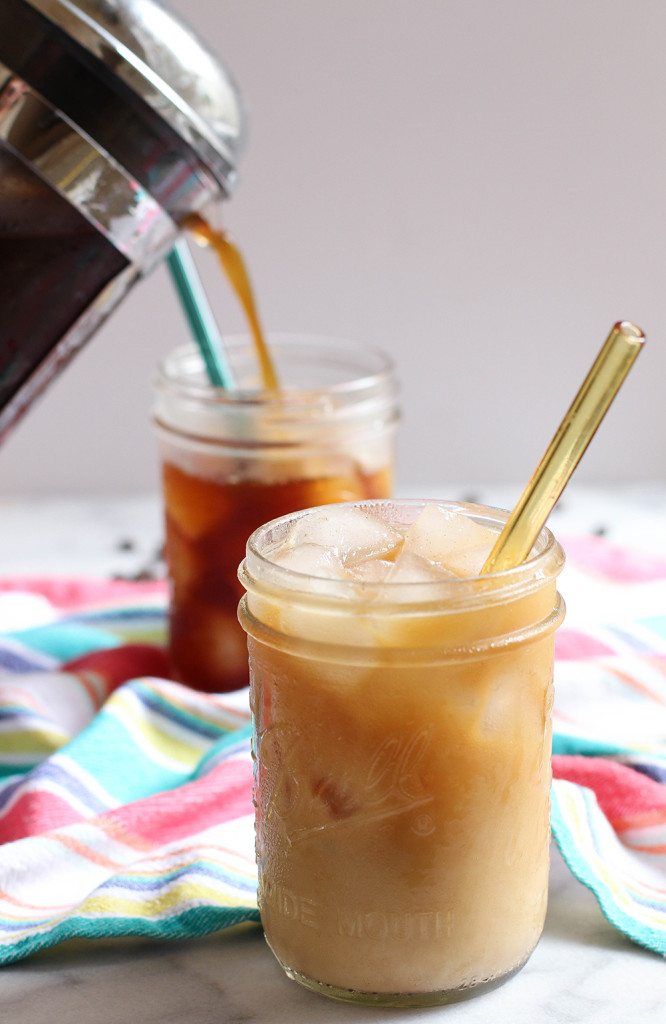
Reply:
x=477 y=187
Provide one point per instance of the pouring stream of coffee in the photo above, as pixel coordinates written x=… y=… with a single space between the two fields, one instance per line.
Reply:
x=233 y=265
x=565 y=451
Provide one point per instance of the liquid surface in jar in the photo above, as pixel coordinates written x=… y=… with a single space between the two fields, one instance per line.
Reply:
x=208 y=522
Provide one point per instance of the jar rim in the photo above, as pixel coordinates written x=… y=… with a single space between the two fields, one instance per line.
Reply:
x=182 y=372
x=260 y=575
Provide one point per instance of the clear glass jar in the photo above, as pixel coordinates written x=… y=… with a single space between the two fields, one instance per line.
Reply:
x=402 y=735
x=231 y=460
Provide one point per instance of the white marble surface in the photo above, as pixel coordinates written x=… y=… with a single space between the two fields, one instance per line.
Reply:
x=122 y=535
x=582 y=970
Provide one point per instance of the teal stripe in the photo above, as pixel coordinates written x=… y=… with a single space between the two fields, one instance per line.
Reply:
x=64 y=641
x=107 y=751
x=131 y=625
x=657 y=623
x=8 y=769
x=565 y=744
x=193 y=922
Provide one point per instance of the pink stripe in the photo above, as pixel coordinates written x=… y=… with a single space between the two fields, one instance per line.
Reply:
x=610 y=562
x=224 y=794
x=628 y=798
x=572 y=645
x=35 y=813
x=69 y=592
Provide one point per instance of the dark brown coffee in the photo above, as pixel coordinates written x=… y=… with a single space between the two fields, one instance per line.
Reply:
x=53 y=265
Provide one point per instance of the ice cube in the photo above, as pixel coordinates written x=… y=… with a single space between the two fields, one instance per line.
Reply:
x=312 y=560
x=187 y=566
x=352 y=533
x=412 y=568
x=197 y=502
x=209 y=646
x=372 y=570
x=470 y=561
x=450 y=538
x=498 y=712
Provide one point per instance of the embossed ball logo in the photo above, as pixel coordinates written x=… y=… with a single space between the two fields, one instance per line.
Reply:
x=303 y=800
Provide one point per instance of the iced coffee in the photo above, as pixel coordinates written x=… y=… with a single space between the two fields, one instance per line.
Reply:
x=401 y=706
x=232 y=460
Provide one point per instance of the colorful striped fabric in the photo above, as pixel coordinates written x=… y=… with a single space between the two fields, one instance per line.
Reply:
x=125 y=802
x=608 y=811
x=125 y=799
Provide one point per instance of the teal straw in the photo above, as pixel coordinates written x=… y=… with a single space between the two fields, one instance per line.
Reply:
x=199 y=314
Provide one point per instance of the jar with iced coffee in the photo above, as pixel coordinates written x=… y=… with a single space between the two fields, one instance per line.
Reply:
x=232 y=459
x=402 y=707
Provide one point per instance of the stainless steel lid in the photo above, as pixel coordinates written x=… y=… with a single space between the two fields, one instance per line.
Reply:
x=165 y=63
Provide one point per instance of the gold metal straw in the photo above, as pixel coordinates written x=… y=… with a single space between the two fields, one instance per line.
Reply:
x=567 y=447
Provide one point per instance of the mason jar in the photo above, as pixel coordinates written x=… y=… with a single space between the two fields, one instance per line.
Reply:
x=402 y=737
x=231 y=459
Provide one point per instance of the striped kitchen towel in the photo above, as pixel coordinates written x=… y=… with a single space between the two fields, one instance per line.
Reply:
x=608 y=811
x=125 y=799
